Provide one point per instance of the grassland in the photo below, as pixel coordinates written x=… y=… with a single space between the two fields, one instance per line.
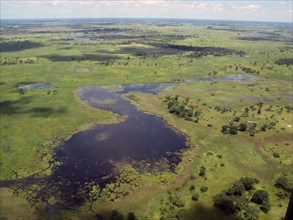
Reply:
x=34 y=123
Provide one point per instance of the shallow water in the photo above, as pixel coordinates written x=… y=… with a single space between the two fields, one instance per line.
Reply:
x=39 y=85
x=235 y=78
x=91 y=156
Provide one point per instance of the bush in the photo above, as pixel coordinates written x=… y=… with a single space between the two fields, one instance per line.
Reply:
x=260 y=197
x=276 y=154
x=283 y=195
x=237 y=189
x=248 y=182
x=204 y=189
x=176 y=201
x=283 y=183
x=236 y=119
x=195 y=197
x=192 y=188
x=115 y=215
x=131 y=216
x=265 y=207
x=202 y=171
x=251 y=213
x=233 y=130
x=225 y=129
x=226 y=204
x=242 y=127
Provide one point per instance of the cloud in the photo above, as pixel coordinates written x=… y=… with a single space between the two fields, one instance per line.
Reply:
x=251 y=7
x=204 y=9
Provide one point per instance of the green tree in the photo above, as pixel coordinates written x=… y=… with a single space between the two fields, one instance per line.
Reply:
x=260 y=197
x=242 y=127
x=248 y=182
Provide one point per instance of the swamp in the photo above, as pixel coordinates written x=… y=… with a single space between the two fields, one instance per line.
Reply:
x=145 y=119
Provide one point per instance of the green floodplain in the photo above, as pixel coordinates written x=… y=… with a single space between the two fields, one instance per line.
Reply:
x=238 y=164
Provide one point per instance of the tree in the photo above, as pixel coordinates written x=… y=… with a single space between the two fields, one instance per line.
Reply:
x=233 y=130
x=236 y=119
x=202 y=171
x=248 y=182
x=131 y=216
x=260 y=197
x=242 y=127
x=283 y=183
x=237 y=189
x=225 y=129
x=226 y=204
x=115 y=215
x=195 y=197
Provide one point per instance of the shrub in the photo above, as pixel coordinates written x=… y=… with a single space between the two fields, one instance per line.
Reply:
x=131 y=216
x=283 y=195
x=192 y=188
x=251 y=213
x=283 y=183
x=195 y=197
x=248 y=182
x=276 y=154
x=236 y=119
x=225 y=129
x=265 y=207
x=176 y=201
x=260 y=197
x=202 y=171
x=233 y=130
x=115 y=215
x=237 y=189
x=226 y=204
x=242 y=127
x=204 y=189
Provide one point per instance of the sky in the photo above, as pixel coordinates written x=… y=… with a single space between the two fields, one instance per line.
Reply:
x=258 y=10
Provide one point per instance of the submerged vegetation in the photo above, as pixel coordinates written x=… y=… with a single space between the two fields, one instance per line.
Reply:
x=226 y=88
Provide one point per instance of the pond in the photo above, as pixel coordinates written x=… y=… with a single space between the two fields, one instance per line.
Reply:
x=92 y=155
x=235 y=78
x=39 y=85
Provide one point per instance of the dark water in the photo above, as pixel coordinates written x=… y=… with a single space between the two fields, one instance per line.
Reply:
x=91 y=156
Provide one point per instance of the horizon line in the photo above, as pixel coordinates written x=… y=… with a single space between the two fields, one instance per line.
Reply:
x=169 y=18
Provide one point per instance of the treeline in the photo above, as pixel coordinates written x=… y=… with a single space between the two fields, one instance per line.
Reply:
x=11 y=46
x=17 y=60
x=285 y=61
x=202 y=51
x=235 y=125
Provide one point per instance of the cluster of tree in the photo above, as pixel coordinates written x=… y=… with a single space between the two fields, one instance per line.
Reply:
x=238 y=198
x=16 y=60
x=233 y=128
x=249 y=126
x=285 y=61
x=284 y=184
x=235 y=125
x=248 y=70
x=10 y=46
x=182 y=108
x=201 y=51
x=266 y=38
